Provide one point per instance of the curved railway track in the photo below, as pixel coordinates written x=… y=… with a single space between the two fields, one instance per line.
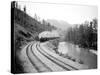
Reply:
x=44 y=61
x=57 y=61
x=38 y=65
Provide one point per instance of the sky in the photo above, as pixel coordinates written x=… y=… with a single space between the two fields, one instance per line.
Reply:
x=73 y=14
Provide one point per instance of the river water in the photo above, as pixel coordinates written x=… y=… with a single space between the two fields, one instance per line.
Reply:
x=74 y=51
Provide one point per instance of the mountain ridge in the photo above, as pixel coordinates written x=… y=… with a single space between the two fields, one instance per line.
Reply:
x=59 y=24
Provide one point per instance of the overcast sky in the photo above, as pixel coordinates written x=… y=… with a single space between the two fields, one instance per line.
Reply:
x=73 y=14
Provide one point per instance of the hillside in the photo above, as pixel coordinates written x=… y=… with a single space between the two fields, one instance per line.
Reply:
x=24 y=29
x=29 y=23
x=59 y=24
x=27 y=27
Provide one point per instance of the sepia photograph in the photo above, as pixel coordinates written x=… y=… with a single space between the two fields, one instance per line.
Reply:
x=53 y=37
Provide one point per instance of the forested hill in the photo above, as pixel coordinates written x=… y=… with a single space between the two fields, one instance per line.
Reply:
x=29 y=23
x=26 y=28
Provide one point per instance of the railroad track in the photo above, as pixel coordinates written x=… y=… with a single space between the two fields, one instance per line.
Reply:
x=72 y=64
x=44 y=61
x=57 y=61
x=52 y=65
x=38 y=65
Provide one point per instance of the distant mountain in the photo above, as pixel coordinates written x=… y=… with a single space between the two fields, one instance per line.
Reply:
x=59 y=23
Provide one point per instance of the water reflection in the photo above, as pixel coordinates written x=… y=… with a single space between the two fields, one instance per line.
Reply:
x=74 y=51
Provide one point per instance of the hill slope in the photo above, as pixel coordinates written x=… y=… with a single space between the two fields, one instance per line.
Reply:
x=24 y=29
x=59 y=24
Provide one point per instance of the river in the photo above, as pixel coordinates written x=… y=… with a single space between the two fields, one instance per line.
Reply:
x=83 y=54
